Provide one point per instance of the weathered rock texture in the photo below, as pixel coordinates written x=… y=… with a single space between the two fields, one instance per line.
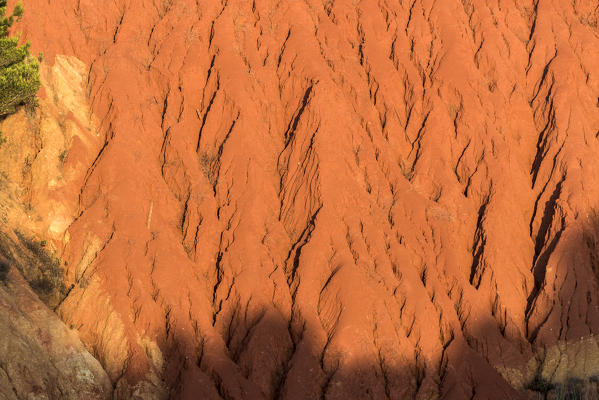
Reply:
x=40 y=357
x=331 y=199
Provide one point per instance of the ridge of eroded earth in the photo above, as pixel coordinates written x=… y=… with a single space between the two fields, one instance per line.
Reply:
x=326 y=199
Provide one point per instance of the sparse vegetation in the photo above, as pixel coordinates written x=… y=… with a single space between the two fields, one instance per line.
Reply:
x=63 y=156
x=206 y=164
x=19 y=72
x=539 y=384
x=4 y=268
x=45 y=274
x=452 y=110
x=40 y=269
x=571 y=389
x=27 y=166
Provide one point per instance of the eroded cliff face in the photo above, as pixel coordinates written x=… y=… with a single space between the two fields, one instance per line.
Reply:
x=328 y=199
x=43 y=158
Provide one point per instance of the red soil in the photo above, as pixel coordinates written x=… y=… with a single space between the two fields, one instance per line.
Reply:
x=335 y=199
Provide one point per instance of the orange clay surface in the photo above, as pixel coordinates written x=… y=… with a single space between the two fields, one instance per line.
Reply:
x=329 y=199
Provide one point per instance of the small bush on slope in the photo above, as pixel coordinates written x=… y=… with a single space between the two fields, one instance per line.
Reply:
x=19 y=72
x=40 y=269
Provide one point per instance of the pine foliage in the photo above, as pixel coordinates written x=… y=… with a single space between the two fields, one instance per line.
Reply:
x=19 y=72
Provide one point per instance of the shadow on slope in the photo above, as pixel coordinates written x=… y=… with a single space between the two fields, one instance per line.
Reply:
x=40 y=269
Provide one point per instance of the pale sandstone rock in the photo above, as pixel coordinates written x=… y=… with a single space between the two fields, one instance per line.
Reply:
x=40 y=358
